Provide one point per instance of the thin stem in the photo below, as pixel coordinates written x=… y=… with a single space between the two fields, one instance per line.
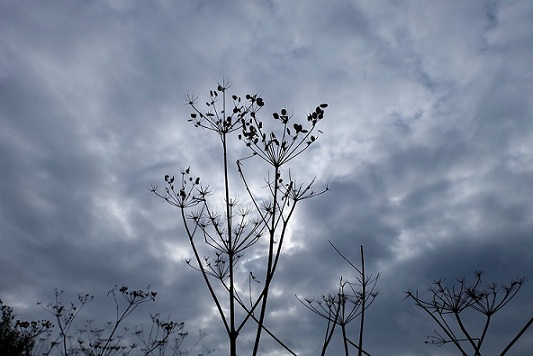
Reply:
x=465 y=332
x=269 y=271
x=230 y=248
x=484 y=333
x=446 y=330
x=329 y=335
x=363 y=302
x=357 y=347
x=203 y=271
x=515 y=339
x=266 y=329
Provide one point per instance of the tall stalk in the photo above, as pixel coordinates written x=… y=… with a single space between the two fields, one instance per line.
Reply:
x=229 y=228
x=269 y=270
x=363 y=302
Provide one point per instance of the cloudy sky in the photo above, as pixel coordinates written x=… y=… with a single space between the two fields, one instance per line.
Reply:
x=427 y=147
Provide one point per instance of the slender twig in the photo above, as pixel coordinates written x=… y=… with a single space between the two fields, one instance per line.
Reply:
x=515 y=339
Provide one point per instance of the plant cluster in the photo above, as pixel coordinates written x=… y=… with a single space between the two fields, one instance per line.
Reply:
x=238 y=230
x=349 y=302
x=163 y=337
x=220 y=240
x=231 y=233
x=448 y=306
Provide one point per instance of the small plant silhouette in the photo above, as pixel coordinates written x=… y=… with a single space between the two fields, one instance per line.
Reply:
x=92 y=340
x=163 y=337
x=349 y=302
x=448 y=304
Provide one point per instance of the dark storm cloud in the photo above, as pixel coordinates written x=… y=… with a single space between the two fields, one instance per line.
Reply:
x=426 y=148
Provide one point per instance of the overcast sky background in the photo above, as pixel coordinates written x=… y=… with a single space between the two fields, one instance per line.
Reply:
x=427 y=149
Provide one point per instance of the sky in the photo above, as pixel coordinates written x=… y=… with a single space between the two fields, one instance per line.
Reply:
x=427 y=149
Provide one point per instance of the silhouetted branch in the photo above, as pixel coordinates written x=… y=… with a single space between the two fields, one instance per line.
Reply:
x=446 y=302
x=346 y=305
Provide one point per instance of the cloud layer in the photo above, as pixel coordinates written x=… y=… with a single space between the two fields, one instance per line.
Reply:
x=426 y=148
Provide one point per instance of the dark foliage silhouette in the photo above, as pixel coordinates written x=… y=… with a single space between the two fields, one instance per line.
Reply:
x=19 y=337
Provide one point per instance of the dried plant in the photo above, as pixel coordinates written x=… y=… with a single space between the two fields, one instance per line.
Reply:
x=349 y=302
x=165 y=337
x=231 y=233
x=64 y=316
x=447 y=307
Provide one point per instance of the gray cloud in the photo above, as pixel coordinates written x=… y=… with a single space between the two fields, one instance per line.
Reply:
x=426 y=149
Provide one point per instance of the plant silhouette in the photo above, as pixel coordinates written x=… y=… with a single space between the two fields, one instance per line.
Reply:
x=162 y=337
x=230 y=234
x=349 y=302
x=447 y=306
